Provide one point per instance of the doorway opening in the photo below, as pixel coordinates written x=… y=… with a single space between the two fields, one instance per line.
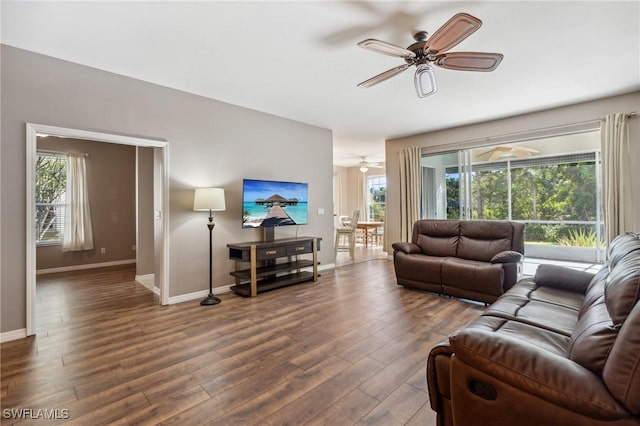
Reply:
x=161 y=207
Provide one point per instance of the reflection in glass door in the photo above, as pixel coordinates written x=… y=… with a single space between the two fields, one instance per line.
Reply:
x=445 y=182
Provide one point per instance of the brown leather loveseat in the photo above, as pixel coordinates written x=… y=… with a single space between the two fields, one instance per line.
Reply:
x=472 y=259
x=562 y=348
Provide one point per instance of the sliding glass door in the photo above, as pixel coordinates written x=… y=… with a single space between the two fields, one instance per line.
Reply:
x=550 y=185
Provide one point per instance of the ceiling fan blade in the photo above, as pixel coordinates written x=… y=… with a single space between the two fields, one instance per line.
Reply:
x=486 y=154
x=385 y=48
x=469 y=61
x=383 y=76
x=521 y=151
x=498 y=149
x=456 y=29
x=495 y=156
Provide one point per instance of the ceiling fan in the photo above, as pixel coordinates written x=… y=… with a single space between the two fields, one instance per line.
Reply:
x=428 y=51
x=507 y=152
x=365 y=165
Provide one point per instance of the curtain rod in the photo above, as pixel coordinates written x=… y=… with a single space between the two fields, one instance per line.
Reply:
x=570 y=127
x=49 y=151
x=523 y=136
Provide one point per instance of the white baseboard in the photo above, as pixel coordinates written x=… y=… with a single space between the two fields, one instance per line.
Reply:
x=83 y=267
x=198 y=294
x=327 y=266
x=8 y=336
x=148 y=281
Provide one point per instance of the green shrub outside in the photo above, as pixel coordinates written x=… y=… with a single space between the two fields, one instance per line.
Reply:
x=564 y=235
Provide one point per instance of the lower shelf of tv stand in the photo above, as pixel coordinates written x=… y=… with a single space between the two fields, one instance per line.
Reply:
x=262 y=271
x=267 y=284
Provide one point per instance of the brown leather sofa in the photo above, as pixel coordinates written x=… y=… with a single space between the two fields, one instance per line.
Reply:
x=472 y=259
x=562 y=348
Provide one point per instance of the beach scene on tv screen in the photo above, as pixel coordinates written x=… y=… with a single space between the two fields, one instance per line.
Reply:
x=271 y=203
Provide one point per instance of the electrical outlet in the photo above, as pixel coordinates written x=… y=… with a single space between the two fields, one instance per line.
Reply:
x=103 y=250
x=320 y=211
x=133 y=247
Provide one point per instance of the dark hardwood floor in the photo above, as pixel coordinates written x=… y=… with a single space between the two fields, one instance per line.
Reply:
x=349 y=349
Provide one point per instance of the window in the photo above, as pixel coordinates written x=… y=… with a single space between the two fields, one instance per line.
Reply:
x=376 y=194
x=51 y=184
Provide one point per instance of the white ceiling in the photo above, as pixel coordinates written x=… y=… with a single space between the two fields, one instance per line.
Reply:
x=300 y=60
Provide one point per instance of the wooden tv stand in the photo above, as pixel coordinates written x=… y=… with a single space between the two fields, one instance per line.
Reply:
x=264 y=272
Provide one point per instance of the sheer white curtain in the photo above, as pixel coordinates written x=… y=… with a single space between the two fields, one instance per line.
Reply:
x=77 y=227
x=616 y=176
x=363 y=195
x=409 y=190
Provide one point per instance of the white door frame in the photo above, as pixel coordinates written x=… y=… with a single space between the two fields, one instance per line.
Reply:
x=32 y=145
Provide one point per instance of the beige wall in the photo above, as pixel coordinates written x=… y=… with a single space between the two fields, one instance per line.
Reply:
x=211 y=143
x=355 y=188
x=111 y=180
x=446 y=140
x=144 y=211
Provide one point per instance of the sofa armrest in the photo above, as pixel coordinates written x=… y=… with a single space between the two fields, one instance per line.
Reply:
x=562 y=278
x=408 y=248
x=536 y=371
x=508 y=256
x=438 y=374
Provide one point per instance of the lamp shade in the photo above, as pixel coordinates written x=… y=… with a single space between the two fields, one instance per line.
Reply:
x=206 y=199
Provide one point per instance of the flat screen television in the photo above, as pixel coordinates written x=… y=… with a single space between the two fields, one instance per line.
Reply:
x=268 y=203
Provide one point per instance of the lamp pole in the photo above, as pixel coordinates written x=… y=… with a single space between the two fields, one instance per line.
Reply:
x=211 y=199
x=211 y=299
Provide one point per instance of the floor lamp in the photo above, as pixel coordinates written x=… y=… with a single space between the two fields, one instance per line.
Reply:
x=211 y=199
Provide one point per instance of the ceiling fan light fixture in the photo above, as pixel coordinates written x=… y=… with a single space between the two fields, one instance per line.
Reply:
x=364 y=169
x=425 y=81
x=427 y=51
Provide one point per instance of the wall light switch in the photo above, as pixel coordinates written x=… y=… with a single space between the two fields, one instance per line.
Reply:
x=158 y=214
x=320 y=211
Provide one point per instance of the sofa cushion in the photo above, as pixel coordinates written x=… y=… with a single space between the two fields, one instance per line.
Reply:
x=622 y=289
x=481 y=240
x=437 y=237
x=472 y=275
x=549 y=316
x=418 y=267
x=595 y=290
x=437 y=246
x=554 y=296
x=553 y=342
x=530 y=290
x=593 y=338
x=621 y=246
